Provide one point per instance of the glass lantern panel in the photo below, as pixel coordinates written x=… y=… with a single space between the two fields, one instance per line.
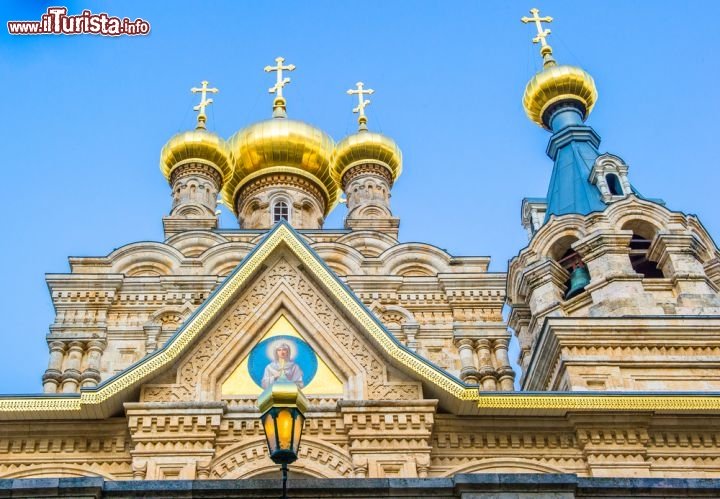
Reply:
x=268 y=422
x=285 y=428
x=299 y=421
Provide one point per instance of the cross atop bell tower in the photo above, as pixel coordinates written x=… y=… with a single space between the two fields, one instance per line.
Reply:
x=542 y=34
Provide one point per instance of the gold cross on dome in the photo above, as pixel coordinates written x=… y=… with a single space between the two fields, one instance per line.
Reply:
x=542 y=33
x=541 y=38
x=362 y=103
x=281 y=82
x=204 y=102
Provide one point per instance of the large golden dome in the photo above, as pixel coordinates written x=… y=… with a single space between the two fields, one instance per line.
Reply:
x=366 y=147
x=281 y=145
x=197 y=146
x=555 y=84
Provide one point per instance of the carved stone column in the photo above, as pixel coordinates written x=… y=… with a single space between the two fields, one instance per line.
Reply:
x=505 y=372
x=53 y=374
x=71 y=376
x=468 y=372
x=519 y=321
x=486 y=370
x=91 y=374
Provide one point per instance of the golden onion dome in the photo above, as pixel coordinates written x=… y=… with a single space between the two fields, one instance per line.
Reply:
x=281 y=145
x=197 y=146
x=555 y=84
x=366 y=147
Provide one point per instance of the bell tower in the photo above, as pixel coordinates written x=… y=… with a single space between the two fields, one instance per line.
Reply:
x=614 y=291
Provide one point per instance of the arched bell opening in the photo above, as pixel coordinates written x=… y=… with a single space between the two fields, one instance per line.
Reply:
x=642 y=238
x=570 y=260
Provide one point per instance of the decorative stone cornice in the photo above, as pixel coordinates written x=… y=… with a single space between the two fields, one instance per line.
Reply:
x=194 y=169
x=366 y=169
x=602 y=242
x=546 y=271
x=666 y=244
x=279 y=179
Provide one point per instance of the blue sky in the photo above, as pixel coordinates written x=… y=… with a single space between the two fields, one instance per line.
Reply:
x=85 y=118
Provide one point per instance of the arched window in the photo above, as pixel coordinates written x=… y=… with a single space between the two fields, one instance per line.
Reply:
x=280 y=211
x=613 y=183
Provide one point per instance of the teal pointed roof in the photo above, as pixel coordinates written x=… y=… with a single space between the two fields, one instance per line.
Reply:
x=574 y=151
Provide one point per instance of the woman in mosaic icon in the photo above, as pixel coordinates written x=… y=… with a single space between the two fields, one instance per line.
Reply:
x=284 y=363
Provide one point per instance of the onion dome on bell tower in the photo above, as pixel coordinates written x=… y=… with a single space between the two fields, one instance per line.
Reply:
x=560 y=99
x=196 y=164
x=282 y=169
x=366 y=165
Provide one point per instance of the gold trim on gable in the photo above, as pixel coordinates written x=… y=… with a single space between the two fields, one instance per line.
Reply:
x=105 y=400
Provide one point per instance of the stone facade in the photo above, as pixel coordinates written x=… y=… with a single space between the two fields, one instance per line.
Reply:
x=614 y=303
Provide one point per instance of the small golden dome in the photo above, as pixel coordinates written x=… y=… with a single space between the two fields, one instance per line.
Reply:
x=366 y=147
x=198 y=146
x=281 y=145
x=555 y=84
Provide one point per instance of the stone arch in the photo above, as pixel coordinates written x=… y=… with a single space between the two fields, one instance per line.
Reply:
x=57 y=471
x=415 y=259
x=368 y=243
x=343 y=259
x=316 y=458
x=146 y=258
x=632 y=209
x=552 y=240
x=223 y=258
x=195 y=242
x=190 y=210
x=504 y=465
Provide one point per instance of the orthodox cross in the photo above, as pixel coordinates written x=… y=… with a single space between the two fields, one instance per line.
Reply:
x=281 y=82
x=362 y=103
x=204 y=102
x=545 y=48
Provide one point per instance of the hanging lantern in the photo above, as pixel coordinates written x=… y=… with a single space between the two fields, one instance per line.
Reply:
x=283 y=408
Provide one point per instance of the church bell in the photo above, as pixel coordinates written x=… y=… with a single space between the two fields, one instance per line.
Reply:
x=579 y=278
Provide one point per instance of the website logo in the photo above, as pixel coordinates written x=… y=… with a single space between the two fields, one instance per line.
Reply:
x=56 y=21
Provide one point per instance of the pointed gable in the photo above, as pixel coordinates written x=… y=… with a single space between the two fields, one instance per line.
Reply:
x=107 y=398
